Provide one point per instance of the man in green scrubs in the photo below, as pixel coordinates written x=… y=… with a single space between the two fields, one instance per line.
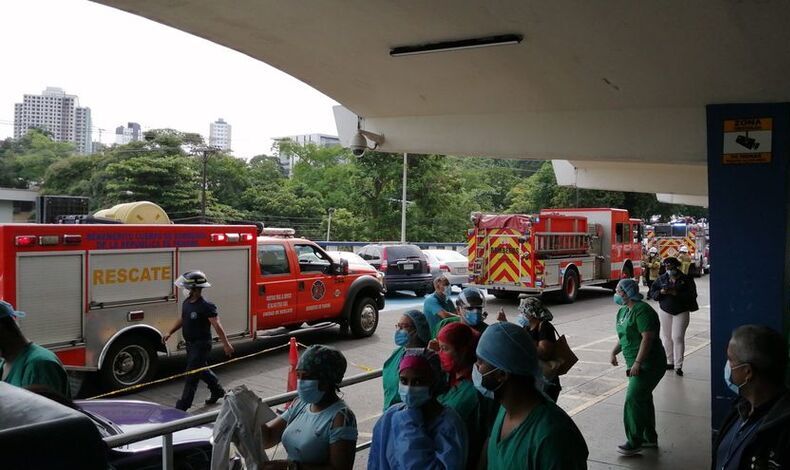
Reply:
x=637 y=328
x=23 y=363
x=530 y=431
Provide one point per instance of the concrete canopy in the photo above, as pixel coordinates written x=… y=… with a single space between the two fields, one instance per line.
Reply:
x=591 y=81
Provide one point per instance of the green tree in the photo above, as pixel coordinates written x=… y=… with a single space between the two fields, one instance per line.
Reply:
x=24 y=161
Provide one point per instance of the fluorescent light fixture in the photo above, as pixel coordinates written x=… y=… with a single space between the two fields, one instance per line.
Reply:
x=474 y=43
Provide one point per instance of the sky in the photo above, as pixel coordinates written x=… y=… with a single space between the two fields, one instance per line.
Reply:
x=127 y=68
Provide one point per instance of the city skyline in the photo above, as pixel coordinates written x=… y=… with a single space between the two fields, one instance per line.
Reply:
x=203 y=80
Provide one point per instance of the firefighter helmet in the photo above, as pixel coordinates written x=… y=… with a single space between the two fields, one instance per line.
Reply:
x=653 y=250
x=684 y=249
x=471 y=298
x=192 y=280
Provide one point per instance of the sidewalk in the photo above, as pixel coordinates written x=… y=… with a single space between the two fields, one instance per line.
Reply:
x=682 y=414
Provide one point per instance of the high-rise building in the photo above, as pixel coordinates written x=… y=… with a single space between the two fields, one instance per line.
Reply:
x=132 y=132
x=57 y=113
x=288 y=160
x=219 y=134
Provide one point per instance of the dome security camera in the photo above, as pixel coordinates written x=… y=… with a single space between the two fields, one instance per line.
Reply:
x=359 y=142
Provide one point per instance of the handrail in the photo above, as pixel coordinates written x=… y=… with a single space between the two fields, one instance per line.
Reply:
x=156 y=430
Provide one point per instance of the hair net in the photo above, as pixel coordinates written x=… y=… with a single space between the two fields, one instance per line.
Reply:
x=325 y=363
x=533 y=307
x=425 y=360
x=631 y=289
x=509 y=348
x=462 y=338
x=421 y=324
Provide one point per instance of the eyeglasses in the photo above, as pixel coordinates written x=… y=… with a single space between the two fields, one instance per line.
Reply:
x=404 y=326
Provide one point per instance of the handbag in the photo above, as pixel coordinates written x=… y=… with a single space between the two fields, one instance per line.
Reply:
x=563 y=359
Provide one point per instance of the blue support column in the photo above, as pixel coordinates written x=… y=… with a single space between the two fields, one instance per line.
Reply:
x=748 y=226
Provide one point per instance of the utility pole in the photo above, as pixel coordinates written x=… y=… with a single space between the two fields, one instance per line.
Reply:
x=207 y=152
x=403 y=200
x=329 y=222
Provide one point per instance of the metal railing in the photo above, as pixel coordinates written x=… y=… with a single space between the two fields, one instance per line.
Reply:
x=166 y=430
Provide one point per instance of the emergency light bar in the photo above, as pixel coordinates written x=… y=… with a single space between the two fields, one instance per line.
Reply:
x=231 y=237
x=46 y=240
x=278 y=232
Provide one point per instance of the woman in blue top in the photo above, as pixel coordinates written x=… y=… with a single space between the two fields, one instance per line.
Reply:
x=318 y=431
x=412 y=331
x=419 y=433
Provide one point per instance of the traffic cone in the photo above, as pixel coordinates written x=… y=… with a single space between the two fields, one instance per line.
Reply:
x=293 y=360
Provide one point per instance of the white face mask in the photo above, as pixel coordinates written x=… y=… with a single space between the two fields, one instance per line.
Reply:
x=186 y=293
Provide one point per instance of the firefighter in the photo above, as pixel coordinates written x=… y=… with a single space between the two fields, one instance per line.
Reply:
x=651 y=265
x=197 y=317
x=685 y=259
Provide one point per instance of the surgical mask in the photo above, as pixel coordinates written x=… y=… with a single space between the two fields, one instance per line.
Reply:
x=401 y=337
x=472 y=317
x=414 y=396
x=447 y=291
x=619 y=300
x=523 y=321
x=186 y=292
x=477 y=380
x=728 y=377
x=447 y=361
x=308 y=391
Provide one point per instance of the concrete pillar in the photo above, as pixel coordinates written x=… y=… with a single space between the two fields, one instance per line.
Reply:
x=747 y=178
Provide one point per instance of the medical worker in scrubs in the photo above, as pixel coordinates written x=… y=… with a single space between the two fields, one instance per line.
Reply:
x=530 y=431
x=419 y=433
x=637 y=328
x=411 y=331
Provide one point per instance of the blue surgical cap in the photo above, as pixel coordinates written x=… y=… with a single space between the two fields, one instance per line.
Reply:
x=421 y=325
x=509 y=348
x=631 y=289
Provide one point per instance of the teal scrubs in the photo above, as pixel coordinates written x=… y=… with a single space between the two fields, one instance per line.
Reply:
x=390 y=377
x=38 y=366
x=308 y=435
x=476 y=412
x=433 y=304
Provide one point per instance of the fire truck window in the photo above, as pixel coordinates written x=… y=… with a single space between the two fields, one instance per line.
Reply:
x=312 y=259
x=679 y=230
x=637 y=233
x=619 y=233
x=273 y=260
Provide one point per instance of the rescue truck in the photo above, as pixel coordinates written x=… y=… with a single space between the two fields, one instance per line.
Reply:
x=669 y=237
x=102 y=296
x=558 y=250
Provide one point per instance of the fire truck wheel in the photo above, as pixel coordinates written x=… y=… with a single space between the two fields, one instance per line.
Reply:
x=131 y=360
x=570 y=286
x=364 y=318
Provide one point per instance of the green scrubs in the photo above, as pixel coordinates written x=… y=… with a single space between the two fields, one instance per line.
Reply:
x=639 y=414
x=38 y=366
x=390 y=377
x=476 y=411
x=547 y=439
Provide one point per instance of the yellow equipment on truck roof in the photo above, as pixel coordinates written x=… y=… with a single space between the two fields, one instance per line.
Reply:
x=141 y=212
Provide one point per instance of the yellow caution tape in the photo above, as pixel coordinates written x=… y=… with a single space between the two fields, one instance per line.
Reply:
x=358 y=366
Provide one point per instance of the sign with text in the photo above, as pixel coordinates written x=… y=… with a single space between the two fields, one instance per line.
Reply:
x=747 y=141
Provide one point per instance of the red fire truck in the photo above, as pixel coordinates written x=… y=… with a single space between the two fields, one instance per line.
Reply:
x=101 y=296
x=556 y=250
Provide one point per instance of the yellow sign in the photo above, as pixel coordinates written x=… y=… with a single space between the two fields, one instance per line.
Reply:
x=747 y=141
x=123 y=275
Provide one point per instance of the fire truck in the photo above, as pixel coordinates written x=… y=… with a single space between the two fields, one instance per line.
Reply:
x=669 y=237
x=558 y=250
x=102 y=296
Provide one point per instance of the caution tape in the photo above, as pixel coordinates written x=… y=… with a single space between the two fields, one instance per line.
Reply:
x=189 y=372
x=358 y=366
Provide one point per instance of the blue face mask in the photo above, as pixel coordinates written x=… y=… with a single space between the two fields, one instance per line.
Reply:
x=308 y=391
x=414 y=396
x=619 y=300
x=728 y=378
x=472 y=317
x=401 y=337
x=477 y=380
x=522 y=321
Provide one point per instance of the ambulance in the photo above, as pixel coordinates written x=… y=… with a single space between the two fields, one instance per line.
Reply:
x=101 y=296
x=558 y=250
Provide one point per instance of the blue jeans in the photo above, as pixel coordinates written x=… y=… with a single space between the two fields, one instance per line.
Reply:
x=197 y=357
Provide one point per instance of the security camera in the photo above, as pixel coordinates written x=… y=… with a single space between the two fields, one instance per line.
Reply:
x=359 y=143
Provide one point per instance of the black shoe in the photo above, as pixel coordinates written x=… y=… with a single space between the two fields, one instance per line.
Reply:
x=215 y=397
x=679 y=372
x=181 y=406
x=670 y=366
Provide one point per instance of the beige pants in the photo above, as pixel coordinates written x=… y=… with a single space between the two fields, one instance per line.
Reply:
x=673 y=336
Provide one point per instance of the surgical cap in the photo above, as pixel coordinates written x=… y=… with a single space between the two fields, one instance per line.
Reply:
x=425 y=360
x=533 y=307
x=325 y=363
x=509 y=348
x=421 y=325
x=631 y=289
x=461 y=337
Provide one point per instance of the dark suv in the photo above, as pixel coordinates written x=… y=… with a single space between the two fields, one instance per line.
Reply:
x=405 y=267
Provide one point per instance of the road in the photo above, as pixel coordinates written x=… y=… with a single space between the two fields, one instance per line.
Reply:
x=588 y=325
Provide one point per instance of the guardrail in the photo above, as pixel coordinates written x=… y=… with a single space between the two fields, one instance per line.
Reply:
x=166 y=430
x=356 y=246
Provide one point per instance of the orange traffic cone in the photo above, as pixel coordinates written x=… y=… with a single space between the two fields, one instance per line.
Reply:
x=293 y=360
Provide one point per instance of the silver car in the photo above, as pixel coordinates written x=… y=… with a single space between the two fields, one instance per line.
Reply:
x=452 y=264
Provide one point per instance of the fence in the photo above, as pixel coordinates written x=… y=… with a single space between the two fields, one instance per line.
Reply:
x=356 y=246
x=166 y=430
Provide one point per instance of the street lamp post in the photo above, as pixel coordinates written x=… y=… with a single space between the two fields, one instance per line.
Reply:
x=329 y=222
x=403 y=201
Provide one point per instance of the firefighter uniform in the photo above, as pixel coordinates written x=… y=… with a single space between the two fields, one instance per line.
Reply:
x=685 y=262
x=651 y=265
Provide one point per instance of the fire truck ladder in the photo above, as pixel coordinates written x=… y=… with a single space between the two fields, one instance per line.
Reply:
x=557 y=244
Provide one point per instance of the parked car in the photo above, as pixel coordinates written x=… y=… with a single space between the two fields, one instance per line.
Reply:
x=355 y=263
x=405 y=267
x=191 y=447
x=451 y=264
